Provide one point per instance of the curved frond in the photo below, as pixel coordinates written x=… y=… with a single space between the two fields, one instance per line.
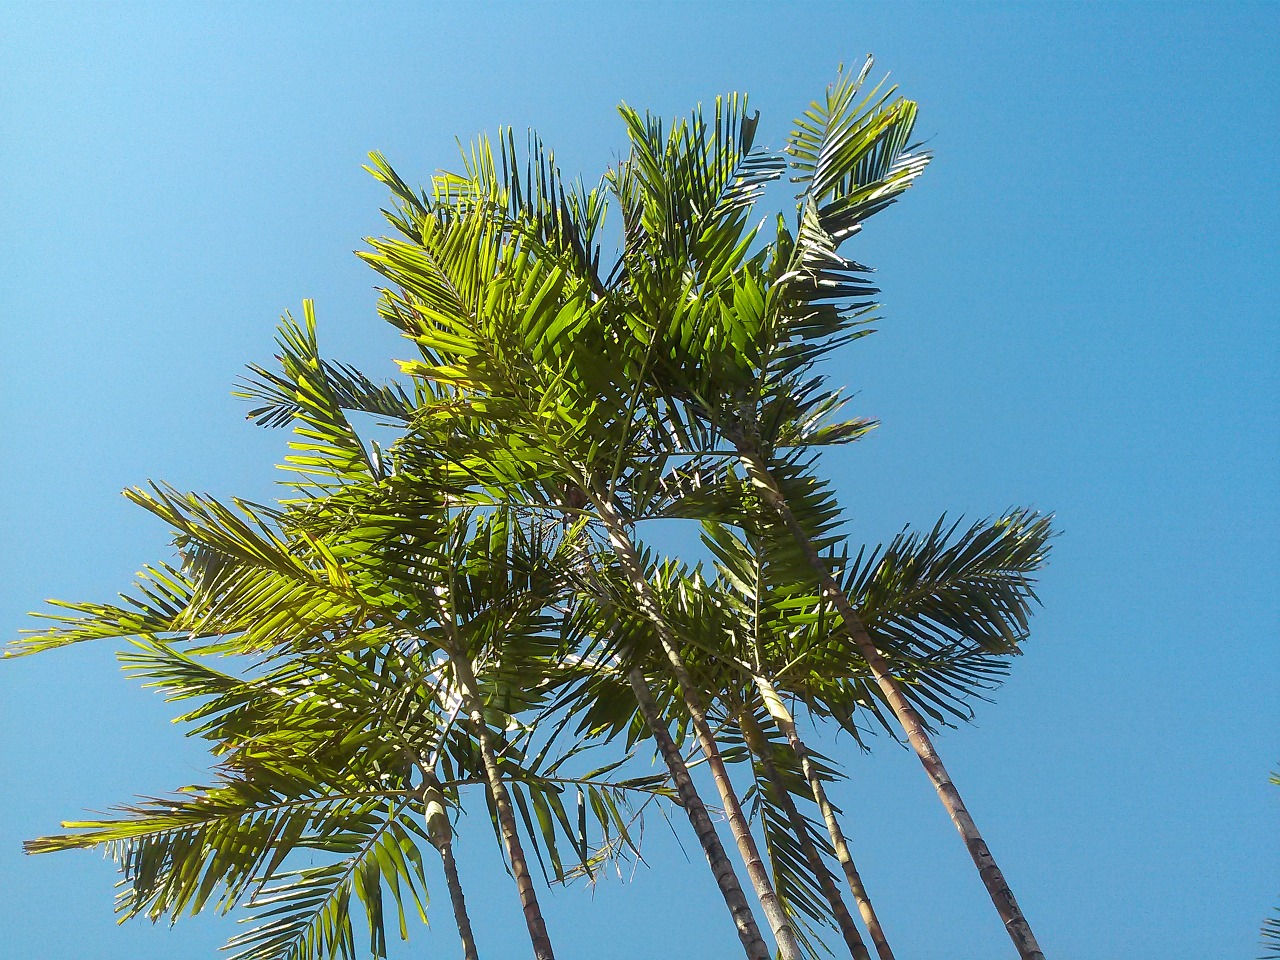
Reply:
x=1271 y=938
x=849 y=152
x=162 y=595
x=306 y=914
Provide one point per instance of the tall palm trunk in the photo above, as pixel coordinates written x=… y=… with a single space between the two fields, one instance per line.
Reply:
x=459 y=903
x=997 y=887
x=468 y=687
x=760 y=746
x=788 y=947
x=721 y=867
x=440 y=833
x=782 y=717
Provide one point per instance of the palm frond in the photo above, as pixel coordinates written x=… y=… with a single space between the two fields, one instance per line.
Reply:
x=214 y=845
x=849 y=152
x=949 y=588
x=685 y=192
x=308 y=384
x=162 y=595
x=326 y=449
x=1271 y=938
x=306 y=914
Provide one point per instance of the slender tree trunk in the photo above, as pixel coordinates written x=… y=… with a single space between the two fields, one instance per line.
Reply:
x=760 y=746
x=721 y=867
x=440 y=833
x=468 y=686
x=459 y=902
x=997 y=887
x=782 y=717
x=788 y=947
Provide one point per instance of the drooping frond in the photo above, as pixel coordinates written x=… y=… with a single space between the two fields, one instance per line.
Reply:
x=162 y=594
x=217 y=845
x=306 y=914
x=319 y=751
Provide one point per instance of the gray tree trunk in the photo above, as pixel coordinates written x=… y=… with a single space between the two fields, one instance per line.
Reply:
x=759 y=745
x=782 y=717
x=1015 y=922
x=696 y=810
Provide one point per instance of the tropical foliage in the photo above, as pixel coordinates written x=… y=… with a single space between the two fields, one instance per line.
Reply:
x=1271 y=926
x=473 y=609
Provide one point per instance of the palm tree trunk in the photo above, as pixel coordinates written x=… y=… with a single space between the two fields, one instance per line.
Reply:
x=440 y=833
x=467 y=687
x=760 y=746
x=782 y=717
x=788 y=946
x=997 y=887
x=721 y=867
x=459 y=902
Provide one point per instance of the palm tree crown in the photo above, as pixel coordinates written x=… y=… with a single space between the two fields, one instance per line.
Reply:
x=476 y=605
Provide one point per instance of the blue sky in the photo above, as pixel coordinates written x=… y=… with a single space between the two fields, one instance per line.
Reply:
x=1079 y=317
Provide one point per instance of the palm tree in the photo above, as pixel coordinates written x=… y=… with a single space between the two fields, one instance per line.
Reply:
x=633 y=656
x=338 y=606
x=316 y=392
x=579 y=387
x=737 y=366
x=938 y=602
x=760 y=628
x=527 y=408
x=312 y=757
x=702 y=617
x=555 y=404
x=421 y=576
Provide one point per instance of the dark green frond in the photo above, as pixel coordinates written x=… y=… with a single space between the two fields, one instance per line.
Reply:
x=948 y=589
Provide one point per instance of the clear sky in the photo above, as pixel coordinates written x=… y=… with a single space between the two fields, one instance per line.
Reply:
x=1080 y=316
